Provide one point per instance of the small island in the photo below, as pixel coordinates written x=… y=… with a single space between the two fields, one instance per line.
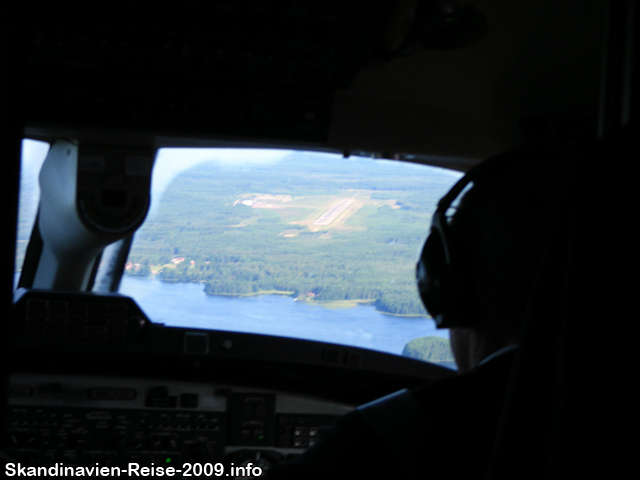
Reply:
x=431 y=349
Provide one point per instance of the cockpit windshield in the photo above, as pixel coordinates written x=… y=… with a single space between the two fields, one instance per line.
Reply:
x=290 y=243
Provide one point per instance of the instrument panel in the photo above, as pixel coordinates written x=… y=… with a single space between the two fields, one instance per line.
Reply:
x=114 y=421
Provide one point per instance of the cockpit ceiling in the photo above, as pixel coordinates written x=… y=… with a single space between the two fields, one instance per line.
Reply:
x=308 y=74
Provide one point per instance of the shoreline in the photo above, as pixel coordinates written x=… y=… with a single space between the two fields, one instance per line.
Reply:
x=282 y=293
x=329 y=304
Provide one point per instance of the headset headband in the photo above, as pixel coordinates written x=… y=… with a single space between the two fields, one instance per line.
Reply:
x=479 y=171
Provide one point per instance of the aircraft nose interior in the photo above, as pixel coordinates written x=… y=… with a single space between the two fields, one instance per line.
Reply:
x=92 y=378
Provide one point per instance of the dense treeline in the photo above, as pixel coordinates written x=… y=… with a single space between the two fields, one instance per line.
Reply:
x=201 y=233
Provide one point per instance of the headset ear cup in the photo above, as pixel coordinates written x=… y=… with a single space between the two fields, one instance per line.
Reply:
x=432 y=276
x=443 y=285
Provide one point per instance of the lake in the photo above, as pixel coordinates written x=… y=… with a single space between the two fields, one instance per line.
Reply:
x=186 y=305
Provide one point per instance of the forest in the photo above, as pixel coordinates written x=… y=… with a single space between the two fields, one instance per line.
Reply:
x=431 y=349
x=319 y=227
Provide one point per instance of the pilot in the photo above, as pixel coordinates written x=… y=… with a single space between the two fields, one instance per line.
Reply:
x=476 y=276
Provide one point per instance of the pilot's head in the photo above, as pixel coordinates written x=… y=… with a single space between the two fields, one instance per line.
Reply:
x=488 y=235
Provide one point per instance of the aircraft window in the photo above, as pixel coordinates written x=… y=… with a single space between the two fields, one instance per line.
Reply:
x=297 y=244
x=32 y=157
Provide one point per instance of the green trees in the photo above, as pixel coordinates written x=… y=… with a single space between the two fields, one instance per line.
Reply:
x=429 y=349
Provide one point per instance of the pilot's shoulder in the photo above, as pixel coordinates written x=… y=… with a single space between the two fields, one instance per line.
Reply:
x=488 y=381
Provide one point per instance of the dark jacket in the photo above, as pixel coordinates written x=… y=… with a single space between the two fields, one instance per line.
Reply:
x=461 y=415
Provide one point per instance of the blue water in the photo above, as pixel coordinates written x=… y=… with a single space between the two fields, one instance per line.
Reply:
x=186 y=305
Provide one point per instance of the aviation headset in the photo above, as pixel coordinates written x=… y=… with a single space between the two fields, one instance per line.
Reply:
x=440 y=271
